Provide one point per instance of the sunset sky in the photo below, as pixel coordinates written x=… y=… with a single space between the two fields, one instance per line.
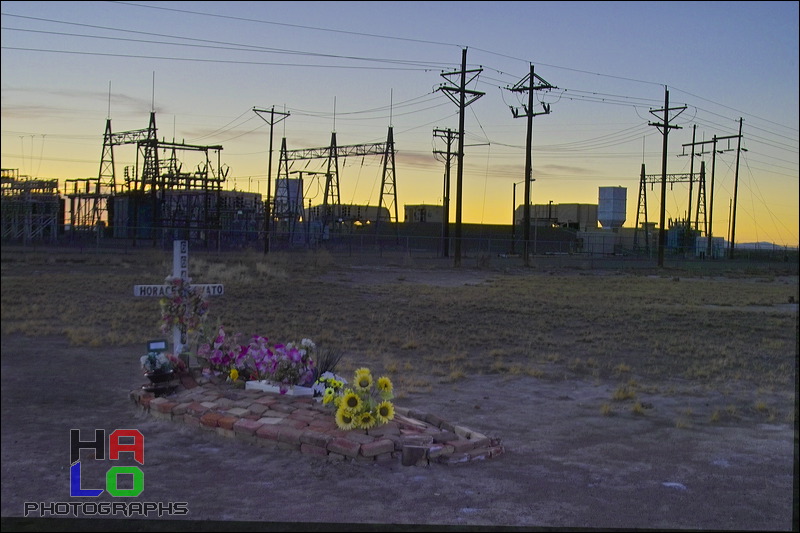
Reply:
x=358 y=67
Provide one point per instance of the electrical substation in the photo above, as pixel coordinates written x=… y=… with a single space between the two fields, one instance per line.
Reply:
x=158 y=199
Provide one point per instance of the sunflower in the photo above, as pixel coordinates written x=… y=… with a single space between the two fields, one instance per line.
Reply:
x=328 y=396
x=365 y=420
x=384 y=412
x=350 y=401
x=362 y=370
x=363 y=382
x=344 y=420
x=385 y=386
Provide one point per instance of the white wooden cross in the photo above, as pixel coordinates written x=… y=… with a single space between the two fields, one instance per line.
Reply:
x=180 y=269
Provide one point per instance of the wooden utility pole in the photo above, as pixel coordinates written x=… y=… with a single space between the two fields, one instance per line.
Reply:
x=462 y=103
x=664 y=127
x=520 y=86
x=267 y=210
x=736 y=189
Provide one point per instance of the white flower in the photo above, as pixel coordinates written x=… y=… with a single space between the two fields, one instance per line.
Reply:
x=308 y=343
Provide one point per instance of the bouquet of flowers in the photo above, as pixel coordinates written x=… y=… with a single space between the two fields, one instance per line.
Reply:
x=363 y=405
x=187 y=307
x=155 y=362
x=285 y=365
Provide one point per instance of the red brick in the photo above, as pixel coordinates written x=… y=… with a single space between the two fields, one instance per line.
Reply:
x=389 y=428
x=227 y=422
x=294 y=423
x=180 y=409
x=379 y=446
x=289 y=435
x=246 y=426
x=433 y=420
x=344 y=447
x=265 y=400
x=210 y=419
x=358 y=435
x=165 y=407
x=483 y=442
x=156 y=401
x=304 y=415
x=191 y=421
x=310 y=449
x=269 y=431
x=494 y=451
x=461 y=445
x=436 y=450
x=315 y=438
x=197 y=408
x=454 y=459
x=257 y=408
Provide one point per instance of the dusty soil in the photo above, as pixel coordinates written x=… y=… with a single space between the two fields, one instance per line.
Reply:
x=566 y=464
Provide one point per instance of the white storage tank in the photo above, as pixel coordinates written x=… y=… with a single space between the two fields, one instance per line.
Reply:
x=611 y=206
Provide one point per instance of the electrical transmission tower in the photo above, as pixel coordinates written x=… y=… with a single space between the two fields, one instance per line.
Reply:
x=652 y=179
x=331 y=199
x=388 y=186
x=268 y=215
x=458 y=95
x=530 y=83
x=449 y=136
x=714 y=152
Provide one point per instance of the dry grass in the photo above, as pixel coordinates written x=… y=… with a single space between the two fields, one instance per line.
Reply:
x=526 y=324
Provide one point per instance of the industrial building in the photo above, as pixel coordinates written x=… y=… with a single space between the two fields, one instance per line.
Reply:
x=32 y=209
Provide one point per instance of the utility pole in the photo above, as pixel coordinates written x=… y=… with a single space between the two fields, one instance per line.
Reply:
x=736 y=189
x=267 y=211
x=664 y=127
x=449 y=136
x=531 y=79
x=462 y=103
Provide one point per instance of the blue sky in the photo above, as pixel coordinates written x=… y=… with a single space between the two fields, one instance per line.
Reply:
x=358 y=67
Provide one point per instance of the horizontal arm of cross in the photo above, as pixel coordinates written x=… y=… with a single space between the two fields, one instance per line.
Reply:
x=209 y=289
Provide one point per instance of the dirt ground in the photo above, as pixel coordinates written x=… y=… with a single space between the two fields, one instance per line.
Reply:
x=564 y=466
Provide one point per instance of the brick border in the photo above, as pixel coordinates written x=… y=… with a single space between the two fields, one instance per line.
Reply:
x=302 y=424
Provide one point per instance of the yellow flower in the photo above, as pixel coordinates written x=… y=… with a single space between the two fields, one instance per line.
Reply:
x=363 y=382
x=344 y=420
x=350 y=401
x=385 y=385
x=234 y=374
x=328 y=396
x=362 y=372
x=365 y=420
x=384 y=412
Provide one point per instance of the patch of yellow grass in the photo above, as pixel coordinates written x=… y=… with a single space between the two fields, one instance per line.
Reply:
x=623 y=392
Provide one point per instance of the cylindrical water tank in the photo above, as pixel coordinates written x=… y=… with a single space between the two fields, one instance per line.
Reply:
x=611 y=206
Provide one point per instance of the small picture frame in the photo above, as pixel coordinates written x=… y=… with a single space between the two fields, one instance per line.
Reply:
x=159 y=345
